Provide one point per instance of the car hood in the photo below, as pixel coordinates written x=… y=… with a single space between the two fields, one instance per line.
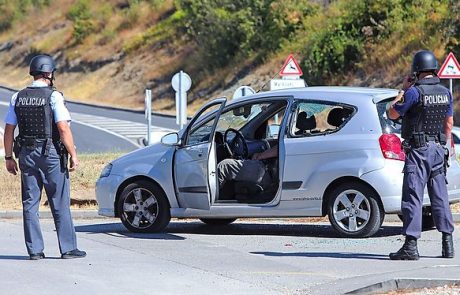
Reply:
x=141 y=161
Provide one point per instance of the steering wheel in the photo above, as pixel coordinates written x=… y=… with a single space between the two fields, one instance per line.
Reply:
x=238 y=145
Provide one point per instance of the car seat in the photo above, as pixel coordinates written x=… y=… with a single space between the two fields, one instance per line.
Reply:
x=337 y=116
x=305 y=123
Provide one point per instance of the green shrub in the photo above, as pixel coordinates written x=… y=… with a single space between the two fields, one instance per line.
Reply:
x=225 y=29
x=81 y=16
x=10 y=11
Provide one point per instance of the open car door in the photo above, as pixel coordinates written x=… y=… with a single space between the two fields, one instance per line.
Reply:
x=195 y=165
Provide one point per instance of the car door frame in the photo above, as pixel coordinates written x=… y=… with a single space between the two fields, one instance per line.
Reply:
x=191 y=157
x=290 y=99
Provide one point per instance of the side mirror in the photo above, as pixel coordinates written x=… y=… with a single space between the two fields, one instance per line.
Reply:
x=170 y=139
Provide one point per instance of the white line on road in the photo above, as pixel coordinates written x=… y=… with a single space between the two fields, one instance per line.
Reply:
x=134 y=132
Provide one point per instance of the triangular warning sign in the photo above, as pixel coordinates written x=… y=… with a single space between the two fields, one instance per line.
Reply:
x=291 y=67
x=450 y=69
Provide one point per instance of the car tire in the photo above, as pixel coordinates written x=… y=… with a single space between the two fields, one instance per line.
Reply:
x=354 y=210
x=143 y=208
x=217 y=221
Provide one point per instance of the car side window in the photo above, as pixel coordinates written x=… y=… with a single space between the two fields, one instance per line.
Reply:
x=202 y=134
x=319 y=118
x=456 y=139
x=273 y=126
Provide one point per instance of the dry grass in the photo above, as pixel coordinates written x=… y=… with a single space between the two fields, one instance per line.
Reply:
x=83 y=182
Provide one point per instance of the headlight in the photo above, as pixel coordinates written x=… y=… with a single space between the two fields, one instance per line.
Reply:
x=106 y=171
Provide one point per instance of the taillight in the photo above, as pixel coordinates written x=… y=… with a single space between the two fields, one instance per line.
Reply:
x=390 y=144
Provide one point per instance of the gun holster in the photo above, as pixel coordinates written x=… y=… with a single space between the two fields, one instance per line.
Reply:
x=63 y=155
x=16 y=148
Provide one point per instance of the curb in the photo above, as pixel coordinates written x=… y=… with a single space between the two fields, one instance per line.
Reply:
x=405 y=285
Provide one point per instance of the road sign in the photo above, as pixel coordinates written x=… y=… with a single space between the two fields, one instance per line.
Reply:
x=290 y=67
x=286 y=83
x=181 y=83
x=243 y=91
x=450 y=69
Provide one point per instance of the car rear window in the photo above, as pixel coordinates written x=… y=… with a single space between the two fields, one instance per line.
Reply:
x=388 y=126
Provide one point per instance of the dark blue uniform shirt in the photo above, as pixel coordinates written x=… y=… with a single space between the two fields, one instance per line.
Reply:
x=412 y=97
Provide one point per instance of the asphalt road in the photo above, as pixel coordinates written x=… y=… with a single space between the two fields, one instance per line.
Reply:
x=247 y=257
x=91 y=139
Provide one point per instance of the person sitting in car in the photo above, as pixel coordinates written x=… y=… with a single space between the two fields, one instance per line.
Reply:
x=250 y=170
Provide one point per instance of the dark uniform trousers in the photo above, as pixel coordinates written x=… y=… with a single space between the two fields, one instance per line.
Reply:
x=38 y=171
x=419 y=166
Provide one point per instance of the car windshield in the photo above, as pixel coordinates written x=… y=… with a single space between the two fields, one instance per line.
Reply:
x=388 y=126
x=237 y=117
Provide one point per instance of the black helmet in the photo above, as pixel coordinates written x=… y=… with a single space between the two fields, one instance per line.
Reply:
x=424 y=61
x=42 y=63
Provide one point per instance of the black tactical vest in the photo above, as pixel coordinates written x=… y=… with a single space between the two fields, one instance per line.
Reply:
x=35 y=117
x=429 y=114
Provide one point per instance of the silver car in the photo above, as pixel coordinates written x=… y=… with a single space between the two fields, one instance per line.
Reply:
x=338 y=156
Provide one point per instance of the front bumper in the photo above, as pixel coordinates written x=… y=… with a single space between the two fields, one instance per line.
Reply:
x=106 y=191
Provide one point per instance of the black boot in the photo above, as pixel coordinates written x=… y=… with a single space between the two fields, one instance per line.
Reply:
x=447 y=246
x=408 y=251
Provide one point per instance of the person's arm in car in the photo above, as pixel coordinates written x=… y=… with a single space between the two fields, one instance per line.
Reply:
x=270 y=153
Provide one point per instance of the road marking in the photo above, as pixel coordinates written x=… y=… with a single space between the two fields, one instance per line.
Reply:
x=132 y=131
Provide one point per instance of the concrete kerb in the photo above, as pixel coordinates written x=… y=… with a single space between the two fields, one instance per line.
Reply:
x=404 y=284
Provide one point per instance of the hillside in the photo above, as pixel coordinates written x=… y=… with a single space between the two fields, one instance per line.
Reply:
x=108 y=52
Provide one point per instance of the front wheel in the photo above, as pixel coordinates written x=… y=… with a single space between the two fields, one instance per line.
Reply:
x=354 y=211
x=143 y=208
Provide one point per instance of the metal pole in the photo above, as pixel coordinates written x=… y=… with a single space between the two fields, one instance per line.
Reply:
x=180 y=100
x=148 y=99
x=450 y=84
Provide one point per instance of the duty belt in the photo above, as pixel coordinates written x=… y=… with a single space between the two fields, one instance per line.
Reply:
x=31 y=143
x=420 y=139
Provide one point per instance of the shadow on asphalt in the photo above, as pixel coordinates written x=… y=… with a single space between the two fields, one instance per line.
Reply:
x=260 y=229
x=13 y=257
x=117 y=229
x=326 y=255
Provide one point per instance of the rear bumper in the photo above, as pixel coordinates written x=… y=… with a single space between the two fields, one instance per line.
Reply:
x=388 y=184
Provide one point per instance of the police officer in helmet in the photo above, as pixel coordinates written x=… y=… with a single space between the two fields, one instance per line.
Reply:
x=426 y=108
x=42 y=146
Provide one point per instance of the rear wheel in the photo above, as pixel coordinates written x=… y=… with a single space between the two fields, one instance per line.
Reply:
x=143 y=207
x=217 y=221
x=354 y=211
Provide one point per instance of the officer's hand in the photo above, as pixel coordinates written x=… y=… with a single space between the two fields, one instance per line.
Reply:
x=407 y=83
x=11 y=166
x=73 y=163
x=256 y=156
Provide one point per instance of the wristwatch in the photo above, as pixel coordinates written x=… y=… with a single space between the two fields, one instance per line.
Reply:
x=8 y=158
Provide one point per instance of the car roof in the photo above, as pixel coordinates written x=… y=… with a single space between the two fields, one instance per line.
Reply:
x=345 y=92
